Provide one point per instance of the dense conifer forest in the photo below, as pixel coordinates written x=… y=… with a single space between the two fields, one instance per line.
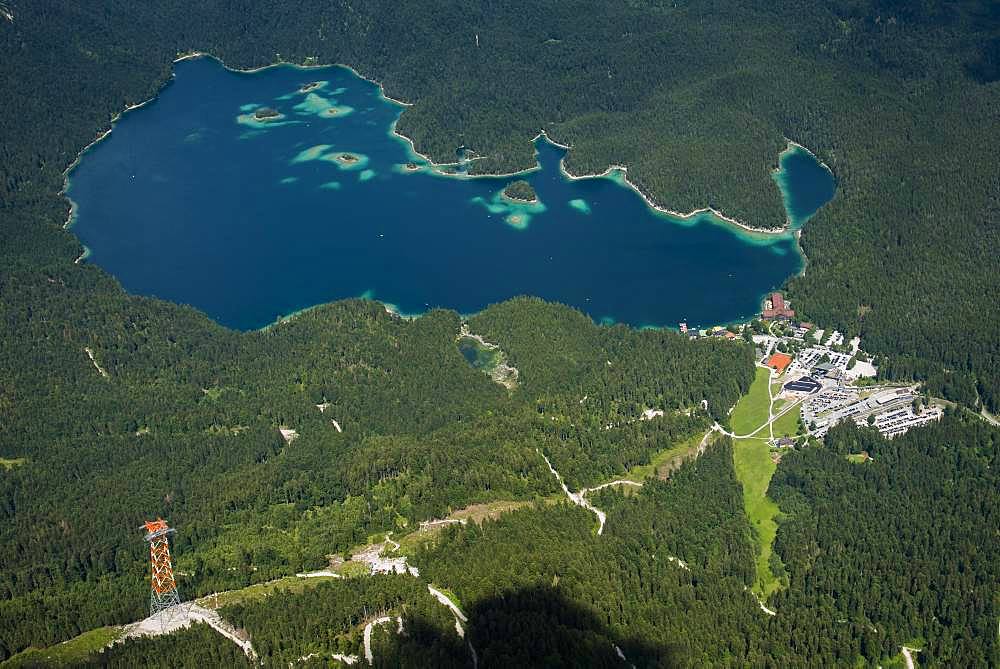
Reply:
x=894 y=551
x=196 y=437
x=696 y=98
x=116 y=408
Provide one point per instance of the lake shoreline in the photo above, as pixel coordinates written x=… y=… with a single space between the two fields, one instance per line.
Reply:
x=79 y=156
x=436 y=167
x=618 y=173
x=611 y=169
x=790 y=146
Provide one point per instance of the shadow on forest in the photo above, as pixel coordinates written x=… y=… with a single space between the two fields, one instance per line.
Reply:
x=533 y=627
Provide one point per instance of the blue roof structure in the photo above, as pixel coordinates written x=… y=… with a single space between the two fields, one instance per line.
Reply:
x=806 y=384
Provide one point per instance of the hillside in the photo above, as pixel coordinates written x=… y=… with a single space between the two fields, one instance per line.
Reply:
x=188 y=426
x=276 y=449
x=669 y=582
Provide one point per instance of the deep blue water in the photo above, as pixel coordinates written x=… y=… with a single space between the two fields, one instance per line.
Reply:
x=191 y=200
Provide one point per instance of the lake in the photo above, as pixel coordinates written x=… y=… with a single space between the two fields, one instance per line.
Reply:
x=254 y=195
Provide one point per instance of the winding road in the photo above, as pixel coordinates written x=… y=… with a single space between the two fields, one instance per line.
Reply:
x=368 y=634
x=577 y=498
x=609 y=484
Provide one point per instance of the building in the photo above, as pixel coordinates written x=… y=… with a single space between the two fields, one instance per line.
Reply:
x=779 y=361
x=775 y=307
x=822 y=368
x=805 y=384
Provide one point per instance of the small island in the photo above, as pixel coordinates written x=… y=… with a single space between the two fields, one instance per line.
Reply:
x=517 y=221
x=311 y=86
x=267 y=114
x=520 y=191
x=346 y=158
x=407 y=168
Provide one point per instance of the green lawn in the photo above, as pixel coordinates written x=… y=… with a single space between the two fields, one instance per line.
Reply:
x=788 y=424
x=754 y=468
x=68 y=653
x=751 y=411
x=353 y=570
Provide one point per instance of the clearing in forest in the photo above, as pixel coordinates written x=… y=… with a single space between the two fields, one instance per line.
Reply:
x=752 y=410
x=665 y=461
x=754 y=468
x=10 y=463
x=74 y=652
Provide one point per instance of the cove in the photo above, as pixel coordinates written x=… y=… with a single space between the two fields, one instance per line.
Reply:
x=254 y=195
x=806 y=184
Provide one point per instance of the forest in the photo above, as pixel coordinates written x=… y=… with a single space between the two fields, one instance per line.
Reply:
x=893 y=551
x=520 y=190
x=195 y=437
x=696 y=98
x=116 y=408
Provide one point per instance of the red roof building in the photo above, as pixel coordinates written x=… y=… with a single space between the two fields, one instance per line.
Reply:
x=779 y=361
x=777 y=308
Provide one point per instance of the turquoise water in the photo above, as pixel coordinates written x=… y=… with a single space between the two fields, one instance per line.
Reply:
x=805 y=183
x=194 y=199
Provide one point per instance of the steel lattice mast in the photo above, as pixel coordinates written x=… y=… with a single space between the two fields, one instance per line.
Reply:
x=163 y=593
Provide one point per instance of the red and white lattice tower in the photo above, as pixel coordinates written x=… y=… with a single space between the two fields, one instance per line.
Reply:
x=163 y=593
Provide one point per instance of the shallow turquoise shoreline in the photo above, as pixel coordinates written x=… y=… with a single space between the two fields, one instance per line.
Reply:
x=349 y=201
